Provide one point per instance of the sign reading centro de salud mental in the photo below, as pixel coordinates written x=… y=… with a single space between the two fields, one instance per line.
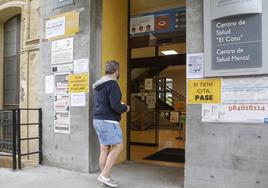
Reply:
x=204 y=91
x=234 y=37
x=235 y=42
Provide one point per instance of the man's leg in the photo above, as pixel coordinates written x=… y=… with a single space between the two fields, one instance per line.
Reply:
x=111 y=159
x=104 y=151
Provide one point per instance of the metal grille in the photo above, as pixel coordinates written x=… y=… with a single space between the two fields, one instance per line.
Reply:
x=6 y=132
x=10 y=135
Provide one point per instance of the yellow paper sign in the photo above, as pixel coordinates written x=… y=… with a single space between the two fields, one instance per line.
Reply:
x=204 y=91
x=71 y=24
x=78 y=83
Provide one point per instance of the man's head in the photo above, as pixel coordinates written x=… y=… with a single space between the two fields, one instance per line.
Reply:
x=112 y=67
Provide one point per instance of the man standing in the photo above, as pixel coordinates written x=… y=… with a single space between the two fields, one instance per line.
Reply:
x=107 y=110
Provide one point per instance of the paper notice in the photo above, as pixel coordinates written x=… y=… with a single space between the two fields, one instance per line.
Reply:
x=49 y=84
x=78 y=99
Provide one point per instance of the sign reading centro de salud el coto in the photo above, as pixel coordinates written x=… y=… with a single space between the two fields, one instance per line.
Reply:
x=234 y=37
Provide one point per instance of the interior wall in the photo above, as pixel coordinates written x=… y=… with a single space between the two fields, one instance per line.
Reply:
x=145 y=6
x=114 y=47
x=179 y=79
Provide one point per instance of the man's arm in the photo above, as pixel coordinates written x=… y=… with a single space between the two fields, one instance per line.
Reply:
x=115 y=99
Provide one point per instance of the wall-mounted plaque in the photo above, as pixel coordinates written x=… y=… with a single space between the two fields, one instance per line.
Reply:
x=63 y=3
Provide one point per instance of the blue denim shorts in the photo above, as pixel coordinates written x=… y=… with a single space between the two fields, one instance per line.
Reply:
x=108 y=133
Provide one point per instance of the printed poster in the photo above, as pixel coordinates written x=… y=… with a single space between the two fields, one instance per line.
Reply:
x=55 y=27
x=64 y=68
x=81 y=65
x=148 y=84
x=151 y=101
x=142 y=24
x=62 y=25
x=49 y=84
x=62 y=51
x=235 y=113
x=61 y=105
x=246 y=90
x=195 y=65
x=158 y=22
x=174 y=117
x=78 y=99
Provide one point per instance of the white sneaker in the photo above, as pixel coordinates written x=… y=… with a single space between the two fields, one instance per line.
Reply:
x=114 y=181
x=107 y=181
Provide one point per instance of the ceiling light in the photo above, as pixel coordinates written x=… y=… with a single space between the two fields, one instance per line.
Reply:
x=169 y=52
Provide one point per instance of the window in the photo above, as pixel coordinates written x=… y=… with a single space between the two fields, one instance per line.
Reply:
x=165 y=90
x=11 y=62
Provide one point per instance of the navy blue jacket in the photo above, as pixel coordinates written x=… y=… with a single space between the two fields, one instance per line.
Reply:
x=107 y=101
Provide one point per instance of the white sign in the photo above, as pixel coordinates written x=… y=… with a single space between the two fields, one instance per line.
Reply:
x=78 y=99
x=62 y=51
x=142 y=24
x=245 y=90
x=174 y=117
x=195 y=66
x=235 y=113
x=49 y=84
x=55 y=27
x=148 y=84
x=61 y=105
x=151 y=101
x=222 y=8
x=81 y=65
x=65 y=68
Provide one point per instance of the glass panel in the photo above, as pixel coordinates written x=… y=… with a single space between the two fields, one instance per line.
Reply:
x=143 y=103
x=10 y=37
x=11 y=82
x=11 y=61
x=11 y=66
x=10 y=49
x=10 y=25
x=10 y=97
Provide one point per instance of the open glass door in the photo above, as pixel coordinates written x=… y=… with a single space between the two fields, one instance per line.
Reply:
x=144 y=113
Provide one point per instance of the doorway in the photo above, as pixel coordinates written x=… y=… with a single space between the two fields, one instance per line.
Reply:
x=157 y=82
x=149 y=57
